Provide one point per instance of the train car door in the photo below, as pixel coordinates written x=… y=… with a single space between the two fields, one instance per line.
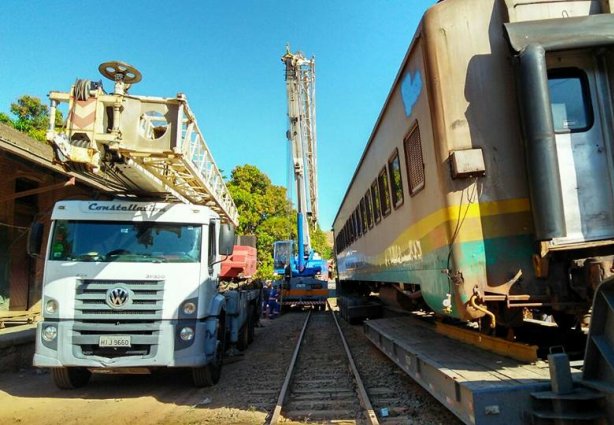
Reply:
x=581 y=109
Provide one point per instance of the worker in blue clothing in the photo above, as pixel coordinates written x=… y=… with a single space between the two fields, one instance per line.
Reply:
x=266 y=292
x=273 y=302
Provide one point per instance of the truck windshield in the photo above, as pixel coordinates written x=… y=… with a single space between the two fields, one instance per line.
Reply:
x=282 y=254
x=125 y=241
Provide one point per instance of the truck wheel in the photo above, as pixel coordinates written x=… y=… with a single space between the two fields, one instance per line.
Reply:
x=251 y=323
x=204 y=376
x=68 y=378
x=210 y=374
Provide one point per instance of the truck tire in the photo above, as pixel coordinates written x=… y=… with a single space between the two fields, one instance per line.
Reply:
x=68 y=378
x=252 y=318
x=209 y=375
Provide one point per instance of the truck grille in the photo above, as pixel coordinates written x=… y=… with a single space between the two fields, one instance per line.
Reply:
x=138 y=317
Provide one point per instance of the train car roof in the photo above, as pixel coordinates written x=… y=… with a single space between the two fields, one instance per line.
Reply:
x=381 y=114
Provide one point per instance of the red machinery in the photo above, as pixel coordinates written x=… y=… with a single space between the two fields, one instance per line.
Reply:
x=242 y=263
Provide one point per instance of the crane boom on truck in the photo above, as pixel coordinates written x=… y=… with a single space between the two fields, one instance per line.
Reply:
x=141 y=144
x=300 y=269
x=133 y=284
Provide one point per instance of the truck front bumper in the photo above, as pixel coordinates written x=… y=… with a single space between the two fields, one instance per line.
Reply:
x=167 y=351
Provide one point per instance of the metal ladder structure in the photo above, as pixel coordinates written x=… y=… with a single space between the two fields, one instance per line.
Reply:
x=301 y=95
x=137 y=145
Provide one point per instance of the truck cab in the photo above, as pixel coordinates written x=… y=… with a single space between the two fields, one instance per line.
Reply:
x=132 y=286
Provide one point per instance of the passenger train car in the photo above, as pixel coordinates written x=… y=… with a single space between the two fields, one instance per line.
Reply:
x=486 y=188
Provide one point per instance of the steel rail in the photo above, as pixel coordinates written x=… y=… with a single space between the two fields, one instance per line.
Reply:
x=360 y=389
x=284 y=388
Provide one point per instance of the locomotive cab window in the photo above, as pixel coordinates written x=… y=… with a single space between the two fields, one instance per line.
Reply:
x=384 y=192
x=414 y=160
x=396 y=184
x=570 y=100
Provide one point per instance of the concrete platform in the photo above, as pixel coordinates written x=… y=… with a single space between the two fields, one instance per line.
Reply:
x=479 y=387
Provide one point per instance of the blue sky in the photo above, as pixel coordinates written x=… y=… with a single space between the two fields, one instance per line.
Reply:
x=225 y=56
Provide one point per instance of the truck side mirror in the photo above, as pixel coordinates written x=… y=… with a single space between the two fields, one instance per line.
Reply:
x=227 y=239
x=35 y=239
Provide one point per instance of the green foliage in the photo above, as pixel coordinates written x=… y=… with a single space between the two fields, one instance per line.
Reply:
x=320 y=244
x=5 y=119
x=265 y=211
x=32 y=117
x=30 y=113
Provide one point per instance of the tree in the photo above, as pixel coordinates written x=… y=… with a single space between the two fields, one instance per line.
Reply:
x=30 y=113
x=5 y=119
x=320 y=244
x=32 y=117
x=264 y=211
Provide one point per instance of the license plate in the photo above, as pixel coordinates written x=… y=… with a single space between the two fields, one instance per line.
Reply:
x=114 y=341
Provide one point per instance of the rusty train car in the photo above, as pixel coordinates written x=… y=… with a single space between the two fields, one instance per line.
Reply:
x=486 y=188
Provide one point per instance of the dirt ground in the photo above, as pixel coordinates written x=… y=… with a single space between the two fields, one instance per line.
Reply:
x=246 y=394
x=30 y=397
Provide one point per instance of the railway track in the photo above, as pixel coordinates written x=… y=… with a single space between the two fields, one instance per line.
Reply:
x=322 y=383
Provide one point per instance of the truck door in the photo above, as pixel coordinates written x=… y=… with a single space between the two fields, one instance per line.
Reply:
x=581 y=104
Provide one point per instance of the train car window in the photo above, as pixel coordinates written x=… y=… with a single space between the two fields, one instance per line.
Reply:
x=369 y=207
x=396 y=183
x=350 y=234
x=414 y=160
x=384 y=192
x=363 y=216
x=357 y=221
x=570 y=100
x=349 y=231
x=359 y=218
x=375 y=201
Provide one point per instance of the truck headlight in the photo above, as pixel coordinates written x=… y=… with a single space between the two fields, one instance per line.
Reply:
x=189 y=308
x=51 y=306
x=186 y=334
x=49 y=333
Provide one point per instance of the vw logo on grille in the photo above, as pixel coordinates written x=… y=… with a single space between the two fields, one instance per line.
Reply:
x=118 y=297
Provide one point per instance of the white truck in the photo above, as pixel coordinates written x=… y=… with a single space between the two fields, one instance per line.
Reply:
x=131 y=284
